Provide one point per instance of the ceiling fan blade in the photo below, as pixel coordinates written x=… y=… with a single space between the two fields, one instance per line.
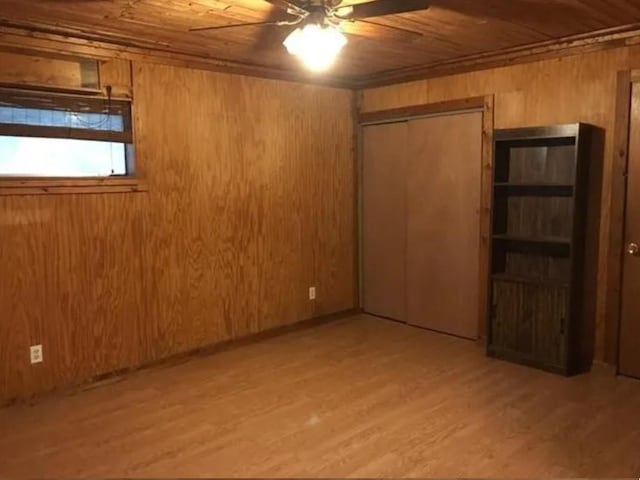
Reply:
x=236 y=25
x=392 y=27
x=380 y=8
x=268 y=39
x=520 y=11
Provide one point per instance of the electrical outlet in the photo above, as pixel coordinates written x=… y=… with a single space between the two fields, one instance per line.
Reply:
x=312 y=293
x=36 y=354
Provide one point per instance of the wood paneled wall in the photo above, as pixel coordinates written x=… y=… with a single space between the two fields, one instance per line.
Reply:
x=565 y=90
x=250 y=201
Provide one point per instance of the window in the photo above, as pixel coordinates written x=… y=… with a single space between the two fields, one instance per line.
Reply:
x=58 y=135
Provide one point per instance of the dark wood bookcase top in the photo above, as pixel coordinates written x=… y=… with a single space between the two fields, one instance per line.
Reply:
x=544 y=201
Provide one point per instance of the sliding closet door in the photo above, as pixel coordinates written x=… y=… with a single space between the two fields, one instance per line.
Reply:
x=384 y=220
x=443 y=229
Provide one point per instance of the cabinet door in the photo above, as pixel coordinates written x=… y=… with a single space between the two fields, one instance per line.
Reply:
x=384 y=220
x=529 y=322
x=443 y=232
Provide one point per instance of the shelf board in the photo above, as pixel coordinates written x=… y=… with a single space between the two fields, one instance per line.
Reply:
x=533 y=184
x=535 y=189
x=544 y=282
x=538 y=240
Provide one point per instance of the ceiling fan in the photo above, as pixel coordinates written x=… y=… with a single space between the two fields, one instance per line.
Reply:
x=318 y=39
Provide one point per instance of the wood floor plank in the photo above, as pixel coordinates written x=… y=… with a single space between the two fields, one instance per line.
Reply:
x=359 y=397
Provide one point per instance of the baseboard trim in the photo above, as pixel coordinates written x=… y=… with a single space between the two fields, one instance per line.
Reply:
x=119 y=375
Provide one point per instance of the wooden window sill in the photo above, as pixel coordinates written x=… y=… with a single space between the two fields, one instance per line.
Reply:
x=60 y=186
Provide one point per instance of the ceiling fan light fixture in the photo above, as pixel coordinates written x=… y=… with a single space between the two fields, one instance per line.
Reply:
x=316 y=45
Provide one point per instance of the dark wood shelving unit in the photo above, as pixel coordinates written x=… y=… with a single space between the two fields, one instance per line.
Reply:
x=540 y=263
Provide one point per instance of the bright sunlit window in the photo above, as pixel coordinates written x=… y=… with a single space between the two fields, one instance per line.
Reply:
x=53 y=135
x=61 y=157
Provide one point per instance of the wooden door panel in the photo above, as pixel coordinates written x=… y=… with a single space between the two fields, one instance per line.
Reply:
x=384 y=220
x=443 y=230
x=630 y=322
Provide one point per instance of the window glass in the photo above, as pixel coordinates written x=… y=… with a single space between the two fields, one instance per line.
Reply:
x=61 y=157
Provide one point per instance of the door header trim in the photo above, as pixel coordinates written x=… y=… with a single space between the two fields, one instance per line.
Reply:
x=429 y=109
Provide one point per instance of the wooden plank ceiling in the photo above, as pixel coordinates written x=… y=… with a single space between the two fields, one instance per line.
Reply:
x=450 y=31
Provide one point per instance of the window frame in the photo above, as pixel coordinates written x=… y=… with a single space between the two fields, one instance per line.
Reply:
x=42 y=185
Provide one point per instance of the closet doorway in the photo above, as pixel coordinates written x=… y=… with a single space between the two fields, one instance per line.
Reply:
x=422 y=220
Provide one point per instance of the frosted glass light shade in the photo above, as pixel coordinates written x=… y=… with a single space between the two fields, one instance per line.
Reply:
x=316 y=45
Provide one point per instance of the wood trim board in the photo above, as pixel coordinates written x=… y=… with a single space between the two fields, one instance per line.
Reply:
x=90 y=92
x=397 y=114
x=57 y=186
x=618 y=190
x=486 y=194
x=356 y=102
x=19 y=130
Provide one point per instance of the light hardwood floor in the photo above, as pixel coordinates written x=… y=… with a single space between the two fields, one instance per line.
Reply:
x=358 y=397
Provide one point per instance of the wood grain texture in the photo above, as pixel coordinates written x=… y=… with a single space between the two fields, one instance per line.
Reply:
x=403 y=113
x=72 y=281
x=116 y=75
x=451 y=34
x=250 y=201
x=580 y=44
x=571 y=89
x=27 y=41
x=385 y=156
x=357 y=398
x=545 y=246
x=260 y=228
x=486 y=195
x=443 y=222
x=529 y=323
x=52 y=71
x=617 y=213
